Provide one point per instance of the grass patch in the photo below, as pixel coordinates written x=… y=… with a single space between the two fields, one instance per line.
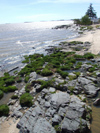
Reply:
x=14 y=97
x=4 y=110
x=26 y=100
x=1 y=94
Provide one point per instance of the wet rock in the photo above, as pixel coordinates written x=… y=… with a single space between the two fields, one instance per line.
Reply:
x=97 y=102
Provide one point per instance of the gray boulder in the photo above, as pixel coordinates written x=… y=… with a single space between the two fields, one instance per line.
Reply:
x=59 y=80
x=83 y=81
x=90 y=89
x=60 y=98
x=33 y=75
x=52 y=90
x=74 y=126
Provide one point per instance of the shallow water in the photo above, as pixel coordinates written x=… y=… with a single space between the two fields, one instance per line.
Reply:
x=95 y=124
x=17 y=40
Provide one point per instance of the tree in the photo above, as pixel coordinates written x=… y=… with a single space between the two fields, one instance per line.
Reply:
x=91 y=12
x=85 y=20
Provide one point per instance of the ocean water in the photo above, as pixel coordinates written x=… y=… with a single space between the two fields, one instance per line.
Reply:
x=17 y=40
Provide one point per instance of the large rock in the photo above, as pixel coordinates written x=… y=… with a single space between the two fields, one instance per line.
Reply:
x=85 y=66
x=33 y=76
x=83 y=81
x=90 y=89
x=60 y=98
x=74 y=126
x=33 y=122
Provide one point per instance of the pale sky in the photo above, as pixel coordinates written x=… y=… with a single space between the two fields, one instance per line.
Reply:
x=16 y=11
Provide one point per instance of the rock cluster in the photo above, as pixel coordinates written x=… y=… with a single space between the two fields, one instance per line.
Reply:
x=51 y=110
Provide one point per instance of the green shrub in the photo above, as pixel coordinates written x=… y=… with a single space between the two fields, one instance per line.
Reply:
x=85 y=20
x=18 y=79
x=77 y=21
x=72 y=77
x=10 y=89
x=10 y=81
x=89 y=56
x=63 y=74
x=14 y=97
x=26 y=79
x=77 y=74
x=46 y=72
x=76 y=42
x=1 y=94
x=46 y=84
x=4 y=110
x=26 y=100
x=28 y=87
x=91 y=69
x=71 y=88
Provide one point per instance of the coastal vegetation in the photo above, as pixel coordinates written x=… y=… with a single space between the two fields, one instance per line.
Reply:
x=4 y=110
x=57 y=74
x=26 y=100
x=88 y=18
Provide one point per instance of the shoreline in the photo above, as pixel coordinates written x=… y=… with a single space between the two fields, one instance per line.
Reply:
x=93 y=37
x=87 y=36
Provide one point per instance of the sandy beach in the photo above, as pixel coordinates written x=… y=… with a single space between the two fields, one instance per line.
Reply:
x=93 y=37
x=9 y=126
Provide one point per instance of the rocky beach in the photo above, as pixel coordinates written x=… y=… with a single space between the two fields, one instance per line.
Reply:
x=53 y=90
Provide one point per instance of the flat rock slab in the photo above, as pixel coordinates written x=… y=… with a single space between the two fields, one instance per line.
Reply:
x=90 y=89
x=60 y=98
